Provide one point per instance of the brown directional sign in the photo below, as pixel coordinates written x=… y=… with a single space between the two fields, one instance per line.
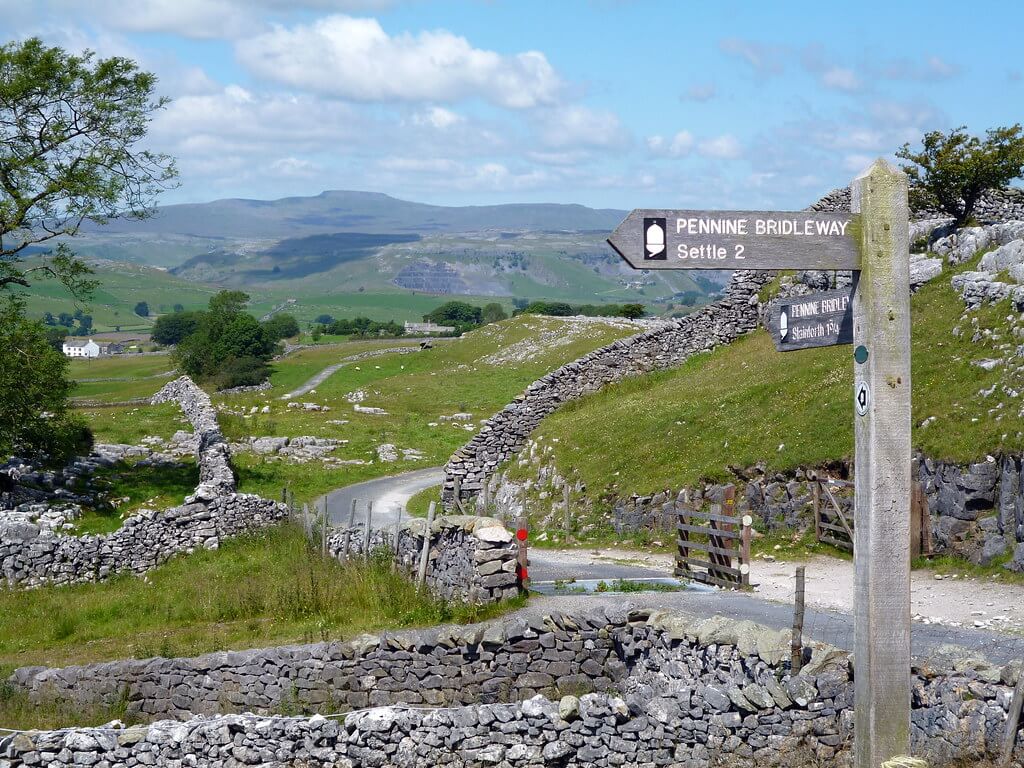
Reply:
x=665 y=239
x=815 y=320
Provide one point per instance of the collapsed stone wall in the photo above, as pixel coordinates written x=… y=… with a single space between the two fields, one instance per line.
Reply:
x=505 y=433
x=600 y=689
x=32 y=554
x=994 y=205
x=469 y=559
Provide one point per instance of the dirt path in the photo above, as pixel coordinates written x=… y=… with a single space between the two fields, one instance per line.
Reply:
x=951 y=600
x=330 y=370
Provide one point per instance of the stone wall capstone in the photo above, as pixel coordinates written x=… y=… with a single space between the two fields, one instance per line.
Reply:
x=605 y=688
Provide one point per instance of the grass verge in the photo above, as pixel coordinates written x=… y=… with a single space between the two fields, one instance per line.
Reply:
x=264 y=589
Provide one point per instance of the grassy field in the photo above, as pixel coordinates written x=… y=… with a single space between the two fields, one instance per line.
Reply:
x=746 y=403
x=260 y=590
x=415 y=389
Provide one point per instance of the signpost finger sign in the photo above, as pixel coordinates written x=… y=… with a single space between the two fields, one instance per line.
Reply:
x=874 y=315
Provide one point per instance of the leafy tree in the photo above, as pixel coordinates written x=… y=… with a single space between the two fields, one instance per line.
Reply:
x=142 y=309
x=455 y=313
x=493 y=312
x=66 y=319
x=281 y=326
x=55 y=335
x=84 y=326
x=70 y=129
x=49 y=319
x=952 y=171
x=323 y=320
x=179 y=308
x=316 y=333
x=35 y=421
x=229 y=347
x=632 y=311
x=172 y=328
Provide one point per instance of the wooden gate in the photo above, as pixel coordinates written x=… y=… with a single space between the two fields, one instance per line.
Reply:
x=835 y=526
x=721 y=541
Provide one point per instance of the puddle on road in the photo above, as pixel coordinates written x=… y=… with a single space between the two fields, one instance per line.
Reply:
x=615 y=586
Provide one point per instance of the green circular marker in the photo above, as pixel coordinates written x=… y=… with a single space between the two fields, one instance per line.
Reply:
x=861 y=354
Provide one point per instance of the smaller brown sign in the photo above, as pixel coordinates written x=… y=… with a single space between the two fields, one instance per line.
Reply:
x=815 y=320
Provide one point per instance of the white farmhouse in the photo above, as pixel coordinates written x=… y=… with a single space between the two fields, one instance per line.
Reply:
x=81 y=348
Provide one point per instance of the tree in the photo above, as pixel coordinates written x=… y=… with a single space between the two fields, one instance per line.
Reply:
x=172 y=328
x=323 y=320
x=142 y=309
x=952 y=171
x=55 y=336
x=179 y=308
x=454 y=313
x=228 y=347
x=632 y=311
x=281 y=326
x=35 y=420
x=70 y=130
x=48 y=319
x=66 y=319
x=493 y=312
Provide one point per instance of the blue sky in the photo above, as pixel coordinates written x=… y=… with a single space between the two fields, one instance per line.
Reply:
x=609 y=103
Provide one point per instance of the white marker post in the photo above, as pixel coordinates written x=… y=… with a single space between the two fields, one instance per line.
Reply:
x=881 y=393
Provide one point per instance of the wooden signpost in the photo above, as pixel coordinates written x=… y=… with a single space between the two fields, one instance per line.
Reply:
x=873 y=242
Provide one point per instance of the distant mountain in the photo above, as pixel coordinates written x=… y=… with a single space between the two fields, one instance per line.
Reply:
x=365 y=212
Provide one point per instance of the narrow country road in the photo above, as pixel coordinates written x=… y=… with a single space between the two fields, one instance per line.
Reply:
x=389 y=494
x=829 y=596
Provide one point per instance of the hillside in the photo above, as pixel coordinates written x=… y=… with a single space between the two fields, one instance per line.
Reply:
x=745 y=403
x=330 y=250
x=466 y=375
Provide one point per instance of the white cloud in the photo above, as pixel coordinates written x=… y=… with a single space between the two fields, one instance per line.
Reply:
x=724 y=147
x=679 y=145
x=294 y=168
x=204 y=19
x=356 y=59
x=700 y=92
x=934 y=68
x=437 y=117
x=763 y=58
x=841 y=79
x=579 y=126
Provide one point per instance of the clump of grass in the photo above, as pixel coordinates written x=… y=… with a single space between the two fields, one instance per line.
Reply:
x=268 y=588
x=18 y=712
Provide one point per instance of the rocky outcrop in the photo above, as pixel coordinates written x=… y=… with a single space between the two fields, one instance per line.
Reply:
x=606 y=688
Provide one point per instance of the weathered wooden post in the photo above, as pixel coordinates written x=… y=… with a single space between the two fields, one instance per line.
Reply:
x=368 y=531
x=881 y=331
x=421 y=573
x=796 y=653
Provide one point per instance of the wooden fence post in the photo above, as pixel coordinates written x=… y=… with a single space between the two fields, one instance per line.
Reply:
x=307 y=527
x=346 y=535
x=421 y=574
x=398 y=533
x=796 y=658
x=816 y=503
x=368 y=531
x=324 y=528
x=565 y=499
x=1012 y=721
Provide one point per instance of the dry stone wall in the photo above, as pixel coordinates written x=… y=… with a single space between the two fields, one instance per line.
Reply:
x=469 y=559
x=32 y=554
x=598 y=689
x=505 y=433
